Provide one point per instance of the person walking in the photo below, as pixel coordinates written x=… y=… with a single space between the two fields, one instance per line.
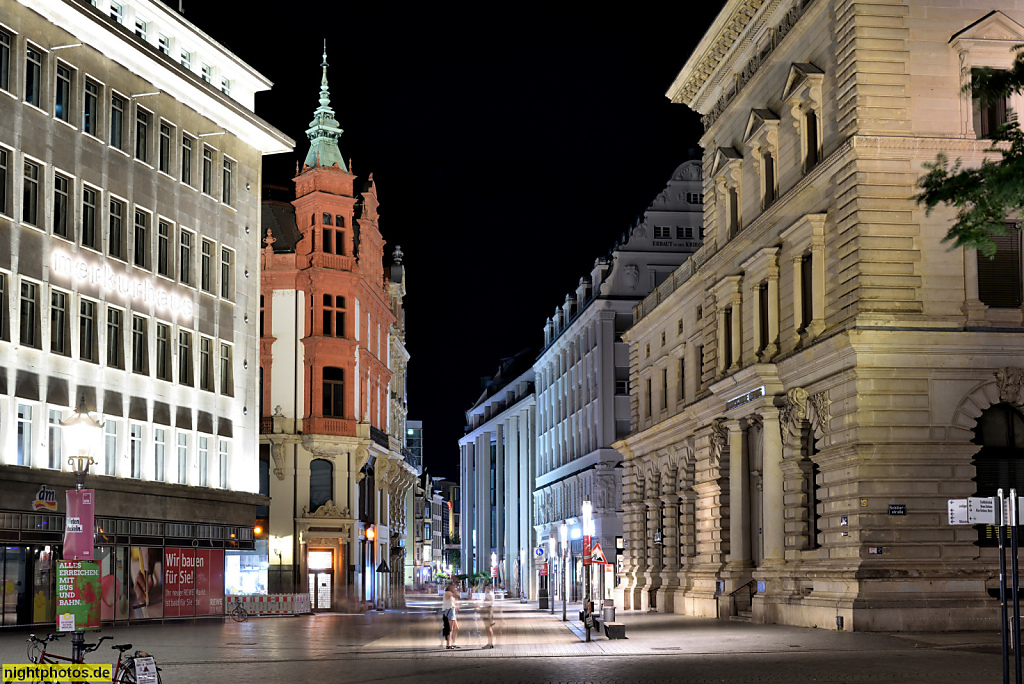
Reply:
x=487 y=612
x=449 y=615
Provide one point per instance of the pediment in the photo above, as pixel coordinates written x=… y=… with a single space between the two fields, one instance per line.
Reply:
x=799 y=73
x=993 y=26
x=757 y=120
x=723 y=157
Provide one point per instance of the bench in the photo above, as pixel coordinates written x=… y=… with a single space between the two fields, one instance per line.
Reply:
x=615 y=630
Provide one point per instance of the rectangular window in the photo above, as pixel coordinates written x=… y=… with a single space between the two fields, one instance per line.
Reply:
x=680 y=379
x=727 y=338
x=30 y=195
x=229 y=170
x=999 y=278
x=989 y=115
x=225 y=370
x=110 y=447
x=208 y=73
x=648 y=396
x=734 y=212
x=117 y=122
x=662 y=232
x=29 y=313
x=5 y=60
x=33 y=76
x=141 y=28
x=62 y=98
x=164 y=44
x=762 y=315
x=115 y=236
x=222 y=464
x=91 y=111
x=664 y=388
x=811 y=154
x=204 y=461
x=768 y=168
x=163 y=249
x=140 y=253
x=142 y=134
x=163 y=351
x=3 y=182
x=205 y=367
x=135 y=451
x=87 y=331
x=684 y=233
x=60 y=206
x=225 y=273
x=184 y=358
x=182 y=458
x=3 y=306
x=54 y=441
x=164 y=160
x=24 y=435
x=186 y=60
x=185 y=258
x=115 y=353
x=117 y=12
x=207 y=171
x=806 y=293
x=225 y=86
x=206 y=266
x=89 y=218
x=186 y=160
x=159 y=451
x=59 y=323
x=140 y=346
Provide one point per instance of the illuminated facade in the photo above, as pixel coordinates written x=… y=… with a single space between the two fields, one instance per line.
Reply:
x=332 y=363
x=130 y=162
x=825 y=373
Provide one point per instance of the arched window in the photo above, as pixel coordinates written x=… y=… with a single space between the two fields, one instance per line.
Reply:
x=321 y=483
x=327 y=219
x=334 y=392
x=1000 y=462
x=339 y=221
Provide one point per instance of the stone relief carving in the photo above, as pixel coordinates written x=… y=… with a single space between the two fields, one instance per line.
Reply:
x=362 y=458
x=1010 y=381
x=277 y=452
x=632 y=274
x=719 y=439
x=822 y=409
x=328 y=510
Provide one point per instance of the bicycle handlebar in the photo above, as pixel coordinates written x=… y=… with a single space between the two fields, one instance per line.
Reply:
x=89 y=648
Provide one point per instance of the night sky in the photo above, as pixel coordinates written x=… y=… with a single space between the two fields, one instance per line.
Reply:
x=511 y=146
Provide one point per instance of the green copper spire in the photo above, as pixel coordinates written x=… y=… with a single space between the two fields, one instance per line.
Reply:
x=324 y=131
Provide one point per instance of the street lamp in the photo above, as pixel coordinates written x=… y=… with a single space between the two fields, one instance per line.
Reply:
x=564 y=534
x=588 y=541
x=551 y=556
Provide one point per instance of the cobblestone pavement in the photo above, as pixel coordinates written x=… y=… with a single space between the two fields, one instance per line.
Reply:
x=537 y=647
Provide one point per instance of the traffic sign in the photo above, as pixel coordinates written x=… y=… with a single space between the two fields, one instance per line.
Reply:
x=597 y=555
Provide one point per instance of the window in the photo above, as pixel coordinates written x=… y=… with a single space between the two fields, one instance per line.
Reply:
x=263 y=312
x=54 y=461
x=186 y=60
x=30 y=195
x=647 y=350
x=664 y=388
x=62 y=97
x=135 y=450
x=222 y=464
x=326 y=219
x=733 y=215
x=726 y=332
x=89 y=218
x=3 y=306
x=185 y=358
x=321 y=483
x=334 y=316
x=110 y=447
x=91 y=111
x=647 y=397
x=141 y=28
x=208 y=73
x=87 y=331
x=225 y=273
x=164 y=44
x=117 y=12
x=117 y=122
x=140 y=253
x=812 y=154
x=999 y=278
x=182 y=458
x=205 y=364
x=679 y=327
x=24 y=435
x=163 y=248
x=142 y=118
x=768 y=179
x=680 y=379
x=185 y=259
x=5 y=60
x=164 y=156
x=3 y=182
x=762 y=316
x=159 y=451
x=225 y=370
x=115 y=353
x=33 y=76
x=989 y=115
x=140 y=346
x=225 y=86
x=29 y=314
x=60 y=205
x=59 y=343
x=806 y=292
x=229 y=170
x=186 y=160
x=206 y=266
x=622 y=387
x=207 y=171
x=204 y=461
x=684 y=233
x=115 y=236
x=339 y=221
x=163 y=351
x=662 y=233
x=334 y=392
x=695 y=198
x=662 y=338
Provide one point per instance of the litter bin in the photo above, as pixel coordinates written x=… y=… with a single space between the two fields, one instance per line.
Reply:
x=608 y=614
x=542 y=599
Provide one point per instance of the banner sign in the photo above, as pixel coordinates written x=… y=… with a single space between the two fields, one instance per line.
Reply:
x=78 y=595
x=194 y=581
x=587 y=550
x=79 y=529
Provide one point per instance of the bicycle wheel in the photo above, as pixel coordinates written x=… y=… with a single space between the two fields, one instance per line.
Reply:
x=126 y=675
x=239 y=614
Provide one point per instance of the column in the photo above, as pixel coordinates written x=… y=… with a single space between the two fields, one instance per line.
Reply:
x=739 y=497
x=499 y=494
x=670 y=539
x=722 y=332
x=736 y=332
x=772 y=346
x=772 y=488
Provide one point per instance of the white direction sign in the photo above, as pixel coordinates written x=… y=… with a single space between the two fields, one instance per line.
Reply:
x=982 y=509
x=958 y=512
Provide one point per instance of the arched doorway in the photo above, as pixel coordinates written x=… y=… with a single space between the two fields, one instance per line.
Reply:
x=1000 y=461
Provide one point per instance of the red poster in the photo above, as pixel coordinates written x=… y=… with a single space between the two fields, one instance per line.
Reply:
x=587 y=549
x=79 y=528
x=194 y=582
x=210 y=582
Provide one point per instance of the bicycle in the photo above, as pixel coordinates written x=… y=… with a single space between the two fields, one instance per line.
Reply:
x=124 y=669
x=38 y=654
x=238 y=613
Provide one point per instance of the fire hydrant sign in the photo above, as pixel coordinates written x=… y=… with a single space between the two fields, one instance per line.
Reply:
x=78 y=595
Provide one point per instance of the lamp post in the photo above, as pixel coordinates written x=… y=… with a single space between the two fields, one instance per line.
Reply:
x=551 y=574
x=81 y=431
x=563 y=533
x=588 y=540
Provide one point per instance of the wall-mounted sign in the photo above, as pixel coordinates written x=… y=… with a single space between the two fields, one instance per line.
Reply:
x=897 y=509
x=109 y=280
x=46 y=499
x=745 y=398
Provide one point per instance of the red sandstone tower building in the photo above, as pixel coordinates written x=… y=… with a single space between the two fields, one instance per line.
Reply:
x=332 y=366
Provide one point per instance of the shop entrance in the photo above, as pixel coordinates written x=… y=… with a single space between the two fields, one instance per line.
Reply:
x=320 y=567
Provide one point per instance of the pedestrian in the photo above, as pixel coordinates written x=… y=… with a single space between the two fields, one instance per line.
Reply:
x=449 y=615
x=488 y=615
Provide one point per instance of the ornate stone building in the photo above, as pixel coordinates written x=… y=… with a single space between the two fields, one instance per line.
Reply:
x=816 y=381
x=332 y=368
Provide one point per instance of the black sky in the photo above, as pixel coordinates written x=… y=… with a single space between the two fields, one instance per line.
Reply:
x=511 y=146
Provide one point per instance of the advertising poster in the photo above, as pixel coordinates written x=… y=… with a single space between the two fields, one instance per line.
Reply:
x=79 y=530
x=78 y=595
x=146 y=580
x=113 y=589
x=194 y=582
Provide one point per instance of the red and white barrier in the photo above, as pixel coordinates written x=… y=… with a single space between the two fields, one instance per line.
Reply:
x=272 y=604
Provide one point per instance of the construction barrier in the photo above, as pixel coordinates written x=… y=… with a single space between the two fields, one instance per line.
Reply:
x=272 y=604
